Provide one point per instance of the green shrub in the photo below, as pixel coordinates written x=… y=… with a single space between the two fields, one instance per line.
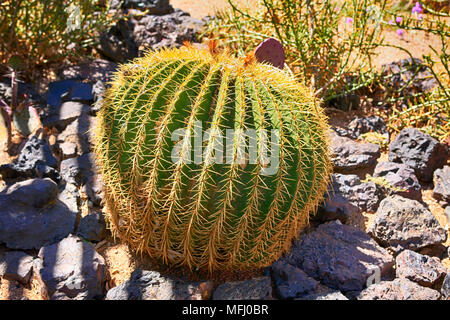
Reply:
x=38 y=30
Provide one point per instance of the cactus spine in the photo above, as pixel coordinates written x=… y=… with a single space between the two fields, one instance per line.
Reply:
x=208 y=215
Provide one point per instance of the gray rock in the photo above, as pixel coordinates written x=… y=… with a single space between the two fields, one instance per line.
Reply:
x=340 y=256
x=335 y=295
x=424 y=270
x=254 y=289
x=402 y=223
x=151 y=285
x=335 y=206
x=117 y=42
x=349 y=156
x=398 y=289
x=441 y=182
x=94 y=189
x=400 y=178
x=366 y=196
x=445 y=290
x=68 y=150
x=17 y=266
x=126 y=40
x=291 y=282
x=70 y=196
x=419 y=151
x=78 y=170
x=72 y=268
x=79 y=133
x=359 y=126
x=92 y=227
x=61 y=116
x=82 y=172
x=35 y=160
x=34 y=220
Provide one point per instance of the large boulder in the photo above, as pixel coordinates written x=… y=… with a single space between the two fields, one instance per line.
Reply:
x=419 y=151
x=398 y=289
x=71 y=269
x=151 y=285
x=340 y=256
x=402 y=223
x=31 y=216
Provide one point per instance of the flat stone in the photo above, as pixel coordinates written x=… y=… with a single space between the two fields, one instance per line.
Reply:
x=255 y=289
x=419 y=151
x=72 y=268
x=441 y=180
x=340 y=256
x=68 y=90
x=79 y=133
x=424 y=270
x=402 y=223
x=400 y=179
x=291 y=282
x=16 y=266
x=31 y=216
x=398 y=289
x=151 y=285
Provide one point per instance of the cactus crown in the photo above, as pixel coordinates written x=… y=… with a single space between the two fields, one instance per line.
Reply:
x=208 y=214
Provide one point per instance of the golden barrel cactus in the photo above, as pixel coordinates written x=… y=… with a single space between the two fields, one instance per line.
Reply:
x=167 y=192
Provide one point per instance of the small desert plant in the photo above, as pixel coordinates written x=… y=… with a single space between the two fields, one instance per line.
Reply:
x=47 y=31
x=326 y=42
x=430 y=110
x=210 y=214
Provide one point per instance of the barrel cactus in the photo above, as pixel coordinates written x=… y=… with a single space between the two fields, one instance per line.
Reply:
x=210 y=214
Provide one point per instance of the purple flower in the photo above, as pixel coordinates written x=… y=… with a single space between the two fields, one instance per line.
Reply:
x=417 y=8
x=400 y=32
x=391 y=22
x=399 y=20
x=349 y=20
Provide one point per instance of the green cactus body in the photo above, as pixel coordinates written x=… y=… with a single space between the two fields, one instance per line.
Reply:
x=207 y=214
